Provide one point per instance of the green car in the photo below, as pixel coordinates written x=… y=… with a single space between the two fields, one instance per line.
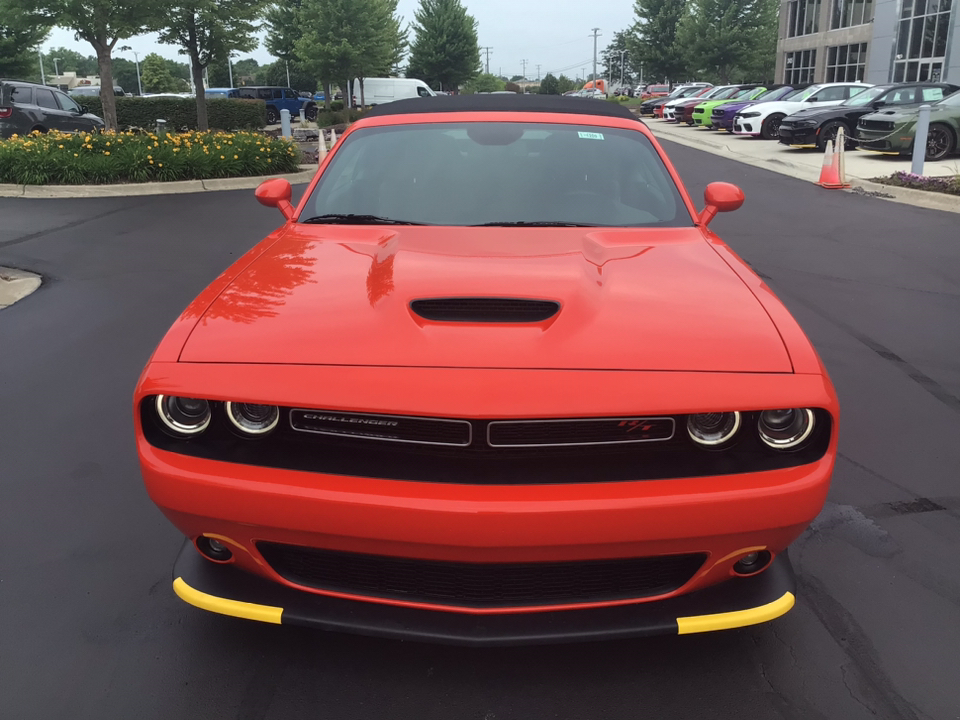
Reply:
x=703 y=112
x=892 y=131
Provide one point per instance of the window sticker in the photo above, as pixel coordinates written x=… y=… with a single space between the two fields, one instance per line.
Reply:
x=591 y=136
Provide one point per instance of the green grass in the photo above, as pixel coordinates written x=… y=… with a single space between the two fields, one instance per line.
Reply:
x=59 y=158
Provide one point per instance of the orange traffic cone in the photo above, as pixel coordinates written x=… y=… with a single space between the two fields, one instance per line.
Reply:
x=831 y=174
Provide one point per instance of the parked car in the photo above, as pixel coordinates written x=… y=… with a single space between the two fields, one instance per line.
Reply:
x=674 y=111
x=221 y=93
x=722 y=116
x=25 y=107
x=893 y=131
x=377 y=91
x=763 y=119
x=94 y=91
x=649 y=107
x=703 y=113
x=433 y=404
x=279 y=98
x=688 y=108
x=651 y=91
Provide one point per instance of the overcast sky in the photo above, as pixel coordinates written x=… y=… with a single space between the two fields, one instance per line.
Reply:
x=554 y=35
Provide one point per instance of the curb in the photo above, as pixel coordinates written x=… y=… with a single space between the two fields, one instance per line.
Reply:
x=154 y=188
x=859 y=186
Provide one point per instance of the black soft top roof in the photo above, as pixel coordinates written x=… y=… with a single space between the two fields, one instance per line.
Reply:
x=502 y=103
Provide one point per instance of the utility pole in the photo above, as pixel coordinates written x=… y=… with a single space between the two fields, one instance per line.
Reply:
x=596 y=34
x=230 y=68
x=287 y=62
x=487 y=51
x=43 y=79
x=524 y=63
x=622 y=53
x=538 y=73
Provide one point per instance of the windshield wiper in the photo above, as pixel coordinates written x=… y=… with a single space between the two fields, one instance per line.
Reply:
x=351 y=219
x=535 y=223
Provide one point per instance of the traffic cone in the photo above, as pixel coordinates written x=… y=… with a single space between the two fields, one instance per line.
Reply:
x=321 y=147
x=831 y=176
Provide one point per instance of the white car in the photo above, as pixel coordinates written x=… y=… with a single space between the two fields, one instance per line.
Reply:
x=668 y=109
x=763 y=119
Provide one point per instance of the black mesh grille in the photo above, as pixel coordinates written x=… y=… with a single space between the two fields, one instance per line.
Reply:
x=876 y=125
x=481 y=585
x=485 y=310
x=517 y=433
x=396 y=428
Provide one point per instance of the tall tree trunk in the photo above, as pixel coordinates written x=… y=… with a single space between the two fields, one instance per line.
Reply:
x=107 y=98
x=198 y=88
x=326 y=95
x=363 y=100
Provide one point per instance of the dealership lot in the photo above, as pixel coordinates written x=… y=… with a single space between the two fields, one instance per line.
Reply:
x=93 y=629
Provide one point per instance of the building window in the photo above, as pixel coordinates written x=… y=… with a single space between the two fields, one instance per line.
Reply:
x=846 y=63
x=847 y=13
x=921 y=40
x=803 y=17
x=799 y=67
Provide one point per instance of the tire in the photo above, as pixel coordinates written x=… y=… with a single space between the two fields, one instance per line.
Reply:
x=273 y=117
x=829 y=132
x=940 y=142
x=311 y=113
x=770 y=130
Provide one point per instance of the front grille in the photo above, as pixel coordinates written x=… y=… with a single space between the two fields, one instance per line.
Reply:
x=391 y=428
x=602 y=431
x=481 y=584
x=876 y=125
x=485 y=310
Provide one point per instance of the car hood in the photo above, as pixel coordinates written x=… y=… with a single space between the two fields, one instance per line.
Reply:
x=906 y=114
x=736 y=105
x=820 y=113
x=650 y=299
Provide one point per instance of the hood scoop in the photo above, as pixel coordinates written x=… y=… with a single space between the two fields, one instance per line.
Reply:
x=485 y=309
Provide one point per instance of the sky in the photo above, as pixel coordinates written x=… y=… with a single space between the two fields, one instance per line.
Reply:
x=554 y=34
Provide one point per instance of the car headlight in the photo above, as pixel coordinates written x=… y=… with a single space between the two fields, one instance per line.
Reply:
x=786 y=428
x=712 y=429
x=805 y=123
x=253 y=419
x=183 y=416
x=749 y=114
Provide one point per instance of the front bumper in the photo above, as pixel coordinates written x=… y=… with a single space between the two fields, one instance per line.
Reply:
x=737 y=603
x=798 y=136
x=746 y=126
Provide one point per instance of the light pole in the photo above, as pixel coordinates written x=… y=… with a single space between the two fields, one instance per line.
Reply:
x=596 y=33
x=230 y=68
x=622 y=53
x=43 y=79
x=56 y=66
x=287 y=63
x=136 y=59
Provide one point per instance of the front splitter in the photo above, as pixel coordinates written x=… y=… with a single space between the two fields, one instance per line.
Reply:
x=736 y=603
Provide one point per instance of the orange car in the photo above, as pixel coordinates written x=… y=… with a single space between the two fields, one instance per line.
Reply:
x=493 y=381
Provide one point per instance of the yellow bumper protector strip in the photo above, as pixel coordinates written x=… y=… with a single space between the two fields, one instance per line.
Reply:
x=235 y=608
x=735 y=619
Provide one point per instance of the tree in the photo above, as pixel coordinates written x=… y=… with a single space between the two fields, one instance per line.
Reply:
x=21 y=32
x=613 y=54
x=731 y=40
x=69 y=61
x=156 y=76
x=549 y=85
x=276 y=74
x=565 y=84
x=283 y=30
x=124 y=74
x=516 y=78
x=346 y=39
x=210 y=29
x=445 y=53
x=102 y=23
x=653 y=40
x=219 y=73
x=483 y=82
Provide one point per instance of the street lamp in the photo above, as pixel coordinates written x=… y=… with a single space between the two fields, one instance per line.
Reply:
x=287 y=62
x=136 y=59
x=43 y=79
x=56 y=66
x=622 y=53
x=230 y=67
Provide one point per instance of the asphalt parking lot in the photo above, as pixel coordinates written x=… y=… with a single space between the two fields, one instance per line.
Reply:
x=90 y=628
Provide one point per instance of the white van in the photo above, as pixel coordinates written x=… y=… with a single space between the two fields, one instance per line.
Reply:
x=377 y=91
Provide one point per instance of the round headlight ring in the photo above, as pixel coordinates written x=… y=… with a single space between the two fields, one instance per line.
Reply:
x=253 y=419
x=783 y=432
x=182 y=415
x=713 y=429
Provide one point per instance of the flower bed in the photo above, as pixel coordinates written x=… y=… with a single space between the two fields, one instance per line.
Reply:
x=135 y=157
x=949 y=184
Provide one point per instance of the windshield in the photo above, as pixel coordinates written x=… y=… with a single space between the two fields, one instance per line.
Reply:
x=777 y=94
x=727 y=93
x=865 y=97
x=489 y=173
x=805 y=93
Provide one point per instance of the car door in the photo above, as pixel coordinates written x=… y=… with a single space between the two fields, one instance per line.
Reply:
x=828 y=96
x=932 y=94
x=901 y=96
x=53 y=118
x=73 y=119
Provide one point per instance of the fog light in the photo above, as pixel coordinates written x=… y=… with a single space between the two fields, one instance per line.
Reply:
x=752 y=563
x=213 y=549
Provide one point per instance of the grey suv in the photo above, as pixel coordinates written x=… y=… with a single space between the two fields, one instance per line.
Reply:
x=25 y=107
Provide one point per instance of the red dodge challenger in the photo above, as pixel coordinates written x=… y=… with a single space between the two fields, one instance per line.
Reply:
x=493 y=381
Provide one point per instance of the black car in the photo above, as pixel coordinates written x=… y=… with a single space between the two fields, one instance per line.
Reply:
x=25 y=107
x=813 y=127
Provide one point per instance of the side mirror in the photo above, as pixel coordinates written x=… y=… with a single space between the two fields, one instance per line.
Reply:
x=84 y=110
x=877 y=104
x=276 y=193
x=720 y=197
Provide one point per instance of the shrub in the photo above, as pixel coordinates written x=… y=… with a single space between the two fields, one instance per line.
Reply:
x=336 y=105
x=181 y=113
x=326 y=119
x=949 y=184
x=71 y=159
